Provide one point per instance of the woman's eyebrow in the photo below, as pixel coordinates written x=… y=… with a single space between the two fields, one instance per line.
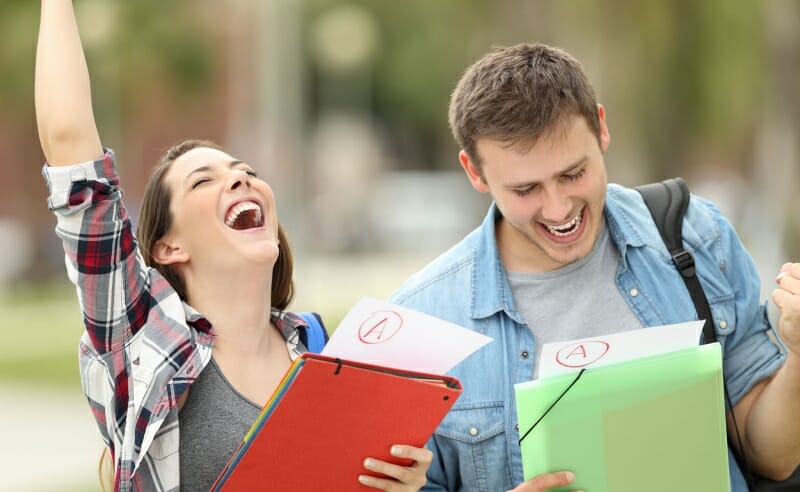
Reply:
x=207 y=167
x=200 y=169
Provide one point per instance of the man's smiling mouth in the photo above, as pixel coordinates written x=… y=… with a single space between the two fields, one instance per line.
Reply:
x=568 y=228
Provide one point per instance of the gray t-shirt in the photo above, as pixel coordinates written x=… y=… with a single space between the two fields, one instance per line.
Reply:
x=579 y=300
x=213 y=422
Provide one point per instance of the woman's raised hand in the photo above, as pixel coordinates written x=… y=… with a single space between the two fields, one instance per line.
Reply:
x=62 y=94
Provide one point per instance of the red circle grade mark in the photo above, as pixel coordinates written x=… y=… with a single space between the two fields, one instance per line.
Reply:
x=582 y=354
x=380 y=327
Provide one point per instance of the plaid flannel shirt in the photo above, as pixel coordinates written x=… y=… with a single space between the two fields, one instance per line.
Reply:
x=142 y=346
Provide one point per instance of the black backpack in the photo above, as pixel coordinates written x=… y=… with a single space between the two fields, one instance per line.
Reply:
x=667 y=202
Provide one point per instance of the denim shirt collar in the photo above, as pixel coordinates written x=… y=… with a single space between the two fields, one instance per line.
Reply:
x=491 y=292
x=620 y=223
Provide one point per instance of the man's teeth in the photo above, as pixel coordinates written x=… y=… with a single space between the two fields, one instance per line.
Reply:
x=566 y=229
x=241 y=207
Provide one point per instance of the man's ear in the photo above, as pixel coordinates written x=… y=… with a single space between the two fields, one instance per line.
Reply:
x=165 y=253
x=473 y=172
x=605 y=136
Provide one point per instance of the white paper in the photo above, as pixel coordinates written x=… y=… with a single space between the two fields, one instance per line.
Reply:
x=382 y=333
x=562 y=357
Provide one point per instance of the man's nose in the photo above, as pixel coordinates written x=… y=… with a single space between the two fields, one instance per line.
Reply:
x=556 y=207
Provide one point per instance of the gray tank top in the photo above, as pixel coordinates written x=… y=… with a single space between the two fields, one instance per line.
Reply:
x=213 y=422
x=579 y=300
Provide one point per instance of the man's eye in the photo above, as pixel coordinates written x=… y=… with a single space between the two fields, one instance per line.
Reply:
x=576 y=176
x=523 y=191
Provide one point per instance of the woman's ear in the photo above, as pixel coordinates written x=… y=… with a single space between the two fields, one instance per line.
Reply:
x=165 y=253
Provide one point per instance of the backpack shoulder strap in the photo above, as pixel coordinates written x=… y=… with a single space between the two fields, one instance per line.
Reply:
x=668 y=202
x=316 y=336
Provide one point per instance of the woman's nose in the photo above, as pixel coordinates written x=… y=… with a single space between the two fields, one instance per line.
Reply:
x=237 y=179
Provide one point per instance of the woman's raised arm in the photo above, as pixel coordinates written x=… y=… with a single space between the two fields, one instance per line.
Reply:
x=64 y=115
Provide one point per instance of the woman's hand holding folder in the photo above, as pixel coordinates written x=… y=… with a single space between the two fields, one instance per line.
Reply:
x=407 y=478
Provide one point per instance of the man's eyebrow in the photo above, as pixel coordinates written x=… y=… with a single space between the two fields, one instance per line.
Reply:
x=207 y=168
x=525 y=184
x=578 y=163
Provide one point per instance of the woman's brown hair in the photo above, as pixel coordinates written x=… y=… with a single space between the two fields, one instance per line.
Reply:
x=155 y=220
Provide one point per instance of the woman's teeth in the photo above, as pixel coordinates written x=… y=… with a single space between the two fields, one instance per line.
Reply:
x=251 y=209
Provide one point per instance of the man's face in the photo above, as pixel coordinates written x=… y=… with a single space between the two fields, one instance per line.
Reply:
x=551 y=196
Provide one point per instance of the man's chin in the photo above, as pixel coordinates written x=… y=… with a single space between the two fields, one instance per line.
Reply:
x=564 y=256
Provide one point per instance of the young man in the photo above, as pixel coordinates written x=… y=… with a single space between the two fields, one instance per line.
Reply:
x=563 y=255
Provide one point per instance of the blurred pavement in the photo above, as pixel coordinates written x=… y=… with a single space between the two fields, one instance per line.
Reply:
x=50 y=440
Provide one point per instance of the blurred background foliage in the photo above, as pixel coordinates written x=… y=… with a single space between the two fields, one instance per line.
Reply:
x=342 y=105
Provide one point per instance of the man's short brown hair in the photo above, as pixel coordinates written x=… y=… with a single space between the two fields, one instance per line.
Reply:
x=518 y=94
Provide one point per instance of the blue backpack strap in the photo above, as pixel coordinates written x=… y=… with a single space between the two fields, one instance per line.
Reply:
x=315 y=334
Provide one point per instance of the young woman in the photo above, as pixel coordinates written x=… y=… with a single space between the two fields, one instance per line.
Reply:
x=186 y=334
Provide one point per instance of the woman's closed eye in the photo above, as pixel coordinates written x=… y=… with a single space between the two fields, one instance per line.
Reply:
x=241 y=168
x=200 y=181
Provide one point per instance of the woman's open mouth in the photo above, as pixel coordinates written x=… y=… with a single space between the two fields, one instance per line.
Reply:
x=245 y=215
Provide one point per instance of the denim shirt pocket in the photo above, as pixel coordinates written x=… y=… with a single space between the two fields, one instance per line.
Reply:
x=474 y=434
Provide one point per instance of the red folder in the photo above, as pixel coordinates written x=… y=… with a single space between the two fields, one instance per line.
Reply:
x=326 y=416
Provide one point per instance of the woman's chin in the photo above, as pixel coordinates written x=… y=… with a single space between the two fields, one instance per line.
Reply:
x=262 y=254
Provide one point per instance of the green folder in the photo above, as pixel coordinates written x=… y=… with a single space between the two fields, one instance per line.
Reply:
x=655 y=424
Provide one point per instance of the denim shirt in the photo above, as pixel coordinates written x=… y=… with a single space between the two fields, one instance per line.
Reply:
x=476 y=445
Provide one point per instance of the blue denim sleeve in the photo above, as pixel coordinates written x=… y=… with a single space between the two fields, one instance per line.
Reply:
x=749 y=354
